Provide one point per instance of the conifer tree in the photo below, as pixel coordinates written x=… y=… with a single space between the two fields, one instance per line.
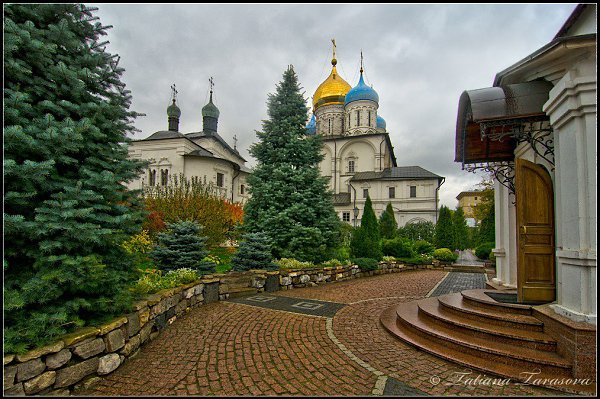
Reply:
x=387 y=223
x=366 y=240
x=181 y=246
x=254 y=253
x=444 y=232
x=290 y=201
x=461 y=230
x=66 y=206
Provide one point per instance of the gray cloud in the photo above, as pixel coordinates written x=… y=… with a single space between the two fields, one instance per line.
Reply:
x=419 y=58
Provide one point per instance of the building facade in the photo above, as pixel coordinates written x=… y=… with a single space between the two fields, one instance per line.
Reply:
x=535 y=130
x=359 y=157
x=467 y=201
x=203 y=155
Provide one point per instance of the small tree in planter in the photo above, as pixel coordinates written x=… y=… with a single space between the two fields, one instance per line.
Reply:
x=181 y=246
x=254 y=253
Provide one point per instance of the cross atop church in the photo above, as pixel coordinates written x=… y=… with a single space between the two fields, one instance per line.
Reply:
x=334 y=46
x=212 y=84
x=173 y=92
x=235 y=139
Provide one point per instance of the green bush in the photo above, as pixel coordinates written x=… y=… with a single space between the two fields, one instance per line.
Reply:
x=398 y=247
x=366 y=264
x=389 y=259
x=483 y=251
x=153 y=281
x=290 y=263
x=342 y=253
x=445 y=255
x=424 y=247
x=335 y=263
x=417 y=260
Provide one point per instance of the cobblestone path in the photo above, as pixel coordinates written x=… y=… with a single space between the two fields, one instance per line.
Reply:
x=236 y=349
x=458 y=281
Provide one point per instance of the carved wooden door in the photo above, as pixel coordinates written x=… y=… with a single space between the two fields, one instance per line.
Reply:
x=536 y=274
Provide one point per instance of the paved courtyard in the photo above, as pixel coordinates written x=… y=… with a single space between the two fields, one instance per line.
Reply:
x=318 y=341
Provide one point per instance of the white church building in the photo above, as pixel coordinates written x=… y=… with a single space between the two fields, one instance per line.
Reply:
x=203 y=155
x=359 y=157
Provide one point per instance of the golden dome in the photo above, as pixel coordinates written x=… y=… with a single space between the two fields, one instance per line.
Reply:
x=332 y=90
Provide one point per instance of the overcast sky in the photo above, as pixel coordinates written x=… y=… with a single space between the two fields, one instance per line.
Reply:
x=418 y=57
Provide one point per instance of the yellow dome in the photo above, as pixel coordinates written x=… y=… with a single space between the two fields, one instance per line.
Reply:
x=332 y=90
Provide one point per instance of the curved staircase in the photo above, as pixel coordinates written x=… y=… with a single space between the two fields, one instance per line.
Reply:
x=473 y=330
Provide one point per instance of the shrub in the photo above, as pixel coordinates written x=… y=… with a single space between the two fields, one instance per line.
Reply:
x=366 y=264
x=342 y=253
x=445 y=255
x=153 y=281
x=389 y=259
x=417 y=260
x=424 y=247
x=254 y=253
x=181 y=246
x=418 y=231
x=398 y=247
x=484 y=250
x=290 y=263
x=189 y=199
x=387 y=223
x=335 y=263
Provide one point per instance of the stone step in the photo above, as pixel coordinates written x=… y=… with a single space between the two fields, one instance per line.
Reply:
x=432 y=308
x=478 y=298
x=471 y=360
x=457 y=304
x=408 y=315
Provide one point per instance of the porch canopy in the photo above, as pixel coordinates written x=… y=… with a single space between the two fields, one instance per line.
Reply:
x=496 y=111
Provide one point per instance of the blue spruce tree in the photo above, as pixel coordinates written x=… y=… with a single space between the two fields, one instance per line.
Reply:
x=66 y=207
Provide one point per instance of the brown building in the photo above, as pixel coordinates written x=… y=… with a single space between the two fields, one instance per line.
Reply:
x=467 y=200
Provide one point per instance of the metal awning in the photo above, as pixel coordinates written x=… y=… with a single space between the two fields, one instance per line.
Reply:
x=487 y=119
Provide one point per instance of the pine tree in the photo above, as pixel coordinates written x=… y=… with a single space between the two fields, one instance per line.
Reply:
x=387 y=223
x=461 y=230
x=254 y=253
x=181 y=246
x=444 y=233
x=290 y=201
x=366 y=240
x=66 y=206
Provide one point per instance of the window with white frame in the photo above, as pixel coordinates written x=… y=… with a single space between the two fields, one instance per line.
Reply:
x=365 y=192
x=346 y=216
x=220 y=179
x=392 y=192
x=413 y=191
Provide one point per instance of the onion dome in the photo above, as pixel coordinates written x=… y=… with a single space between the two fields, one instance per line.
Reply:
x=380 y=122
x=210 y=109
x=311 y=127
x=361 y=92
x=173 y=110
x=332 y=90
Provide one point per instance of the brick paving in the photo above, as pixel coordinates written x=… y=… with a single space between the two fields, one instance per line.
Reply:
x=234 y=349
x=458 y=281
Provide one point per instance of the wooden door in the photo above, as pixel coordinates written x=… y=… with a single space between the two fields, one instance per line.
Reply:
x=536 y=274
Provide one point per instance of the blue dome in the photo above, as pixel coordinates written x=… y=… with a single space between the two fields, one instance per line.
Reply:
x=380 y=122
x=361 y=92
x=311 y=127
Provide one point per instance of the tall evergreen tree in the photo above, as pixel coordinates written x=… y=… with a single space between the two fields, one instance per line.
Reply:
x=461 y=230
x=290 y=201
x=66 y=207
x=444 y=232
x=388 y=226
x=366 y=240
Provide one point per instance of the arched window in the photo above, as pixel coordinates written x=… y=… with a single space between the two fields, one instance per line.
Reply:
x=164 y=177
x=152 y=177
x=351 y=166
x=369 y=121
x=357 y=117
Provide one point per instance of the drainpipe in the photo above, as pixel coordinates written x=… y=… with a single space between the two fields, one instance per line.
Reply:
x=436 y=197
x=353 y=214
x=236 y=167
x=380 y=156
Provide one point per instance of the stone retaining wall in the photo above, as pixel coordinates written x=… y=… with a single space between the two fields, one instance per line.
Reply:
x=78 y=360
